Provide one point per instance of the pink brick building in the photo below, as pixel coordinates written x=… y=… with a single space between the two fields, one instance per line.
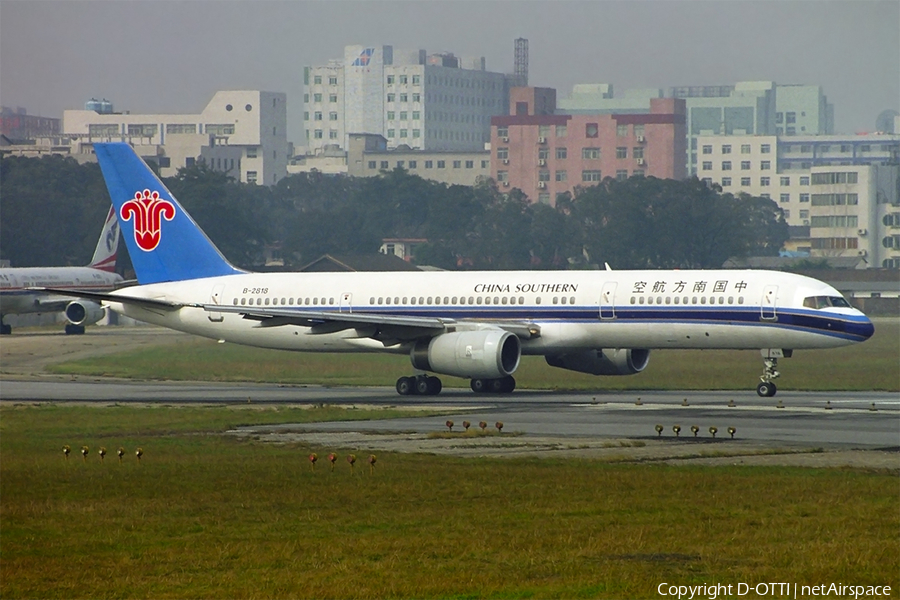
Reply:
x=545 y=154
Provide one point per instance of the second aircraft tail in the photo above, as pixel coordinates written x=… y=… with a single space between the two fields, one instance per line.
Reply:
x=164 y=242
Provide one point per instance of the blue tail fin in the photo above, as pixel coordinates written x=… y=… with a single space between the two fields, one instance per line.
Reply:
x=164 y=242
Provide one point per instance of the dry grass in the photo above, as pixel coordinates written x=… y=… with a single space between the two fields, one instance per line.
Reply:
x=205 y=515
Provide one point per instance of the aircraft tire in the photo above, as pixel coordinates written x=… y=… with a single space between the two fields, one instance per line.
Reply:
x=405 y=386
x=479 y=386
x=74 y=329
x=766 y=389
x=434 y=386
x=5 y=329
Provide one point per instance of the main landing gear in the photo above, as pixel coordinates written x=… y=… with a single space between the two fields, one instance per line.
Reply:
x=419 y=385
x=504 y=385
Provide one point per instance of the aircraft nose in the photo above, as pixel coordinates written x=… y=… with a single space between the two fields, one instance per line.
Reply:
x=863 y=328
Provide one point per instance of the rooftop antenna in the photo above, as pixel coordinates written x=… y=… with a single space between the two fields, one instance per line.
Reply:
x=521 y=56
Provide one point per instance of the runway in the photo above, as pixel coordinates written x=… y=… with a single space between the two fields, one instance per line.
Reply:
x=834 y=420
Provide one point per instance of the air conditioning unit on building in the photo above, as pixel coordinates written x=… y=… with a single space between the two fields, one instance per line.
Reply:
x=862 y=253
x=862 y=232
x=542 y=184
x=506 y=139
x=505 y=184
x=542 y=140
x=542 y=162
x=640 y=161
x=640 y=139
x=505 y=161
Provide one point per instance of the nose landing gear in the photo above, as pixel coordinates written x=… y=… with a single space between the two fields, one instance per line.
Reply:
x=766 y=388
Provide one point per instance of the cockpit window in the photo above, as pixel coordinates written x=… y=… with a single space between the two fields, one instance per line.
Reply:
x=825 y=302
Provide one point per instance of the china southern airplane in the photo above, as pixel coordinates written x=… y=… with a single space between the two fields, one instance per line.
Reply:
x=18 y=293
x=475 y=325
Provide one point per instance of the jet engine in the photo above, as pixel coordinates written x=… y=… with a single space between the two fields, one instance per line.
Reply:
x=486 y=354
x=602 y=362
x=84 y=312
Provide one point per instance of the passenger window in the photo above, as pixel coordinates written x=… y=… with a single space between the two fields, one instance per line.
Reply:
x=633 y=300
x=640 y=300
x=412 y=300
x=430 y=300
x=405 y=300
x=537 y=300
x=316 y=301
x=471 y=300
x=478 y=300
x=421 y=300
x=721 y=299
x=267 y=301
x=730 y=299
x=446 y=300
x=521 y=299
x=503 y=300
x=259 y=301
x=676 y=299
x=330 y=301
x=387 y=300
x=555 y=299
x=496 y=300
x=372 y=300
x=740 y=299
x=243 y=301
x=693 y=299
x=563 y=300
x=396 y=299
x=702 y=299
x=235 y=302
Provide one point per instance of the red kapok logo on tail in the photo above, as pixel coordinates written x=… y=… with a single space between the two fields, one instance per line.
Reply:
x=148 y=210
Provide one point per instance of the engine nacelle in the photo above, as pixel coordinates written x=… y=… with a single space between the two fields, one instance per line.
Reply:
x=602 y=362
x=84 y=312
x=488 y=354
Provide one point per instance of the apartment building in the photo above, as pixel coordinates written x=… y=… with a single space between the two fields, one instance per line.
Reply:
x=845 y=189
x=242 y=133
x=544 y=153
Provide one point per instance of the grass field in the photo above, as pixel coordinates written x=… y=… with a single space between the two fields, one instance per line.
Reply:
x=873 y=365
x=207 y=516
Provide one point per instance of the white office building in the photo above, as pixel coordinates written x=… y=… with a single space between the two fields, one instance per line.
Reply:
x=242 y=133
x=845 y=189
x=434 y=102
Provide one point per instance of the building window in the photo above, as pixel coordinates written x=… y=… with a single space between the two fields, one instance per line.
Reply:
x=804 y=197
x=590 y=153
x=373 y=164
x=417 y=97
x=417 y=79
x=404 y=97
x=707 y=149
x=637 y=152
x=332 y=134
x=591 y=175
x=332 y=81
x=384 y=165
x=804 y=180
x=785 y=198
x=745 y=165
x=503 y=153
x=621 y=152
x=726 y=182
x=318 y=115
x=562 y=153
x=176 y=128
x=745 y=182
x=332 y=116
x=591 y=130
x=391 y=97
x=317 y=134
x=561 y=131
x=726 y=149
x=622 y=175
x=502 y=132
x=785 y=181
x=621 y=130
x=745 y=148
x=726 y=165
x=390 y=80
x=765 y=149
x=251 y=176
x=417 y=133
x=457 y=164
x=707 y=165
x=764 y=181
x=429 y=164
x=416 y=115
x=562 y=176
x=317 y=97
x=503 y=176
x=403 y=133
x=404 y=79
x=470 y=164
x=543 y=175
x=765 y=165
x=441 y=164
x=317 y=80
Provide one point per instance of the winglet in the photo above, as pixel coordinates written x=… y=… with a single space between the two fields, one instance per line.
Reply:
x=163 y=241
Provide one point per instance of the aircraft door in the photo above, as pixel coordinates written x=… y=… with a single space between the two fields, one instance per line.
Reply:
x=768 y=303
x=215 y=297
x=608 y=300
x=346 y=302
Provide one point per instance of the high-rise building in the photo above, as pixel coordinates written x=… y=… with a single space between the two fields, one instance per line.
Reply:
x=435 y=102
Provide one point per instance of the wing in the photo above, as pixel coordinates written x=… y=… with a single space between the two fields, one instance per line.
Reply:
x=102 y=297
x=389 y=329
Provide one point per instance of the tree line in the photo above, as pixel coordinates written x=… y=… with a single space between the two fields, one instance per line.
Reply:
x=52 y=209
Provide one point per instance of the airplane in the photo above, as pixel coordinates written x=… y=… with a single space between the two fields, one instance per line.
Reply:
x=475 y=325
x=20 y=286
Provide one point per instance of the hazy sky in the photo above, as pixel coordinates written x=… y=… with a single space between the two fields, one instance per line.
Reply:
x=171 y=56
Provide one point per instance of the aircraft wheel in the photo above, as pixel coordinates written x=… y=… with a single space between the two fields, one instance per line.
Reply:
x=5 y=329
x=434 y=386
x=766 y=389
x=405 y=386
x=508 y=385
x=479 y=386
x=74 y=329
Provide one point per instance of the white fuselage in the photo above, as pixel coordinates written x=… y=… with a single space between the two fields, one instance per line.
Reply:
x=17 y=295
x=572 y=309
